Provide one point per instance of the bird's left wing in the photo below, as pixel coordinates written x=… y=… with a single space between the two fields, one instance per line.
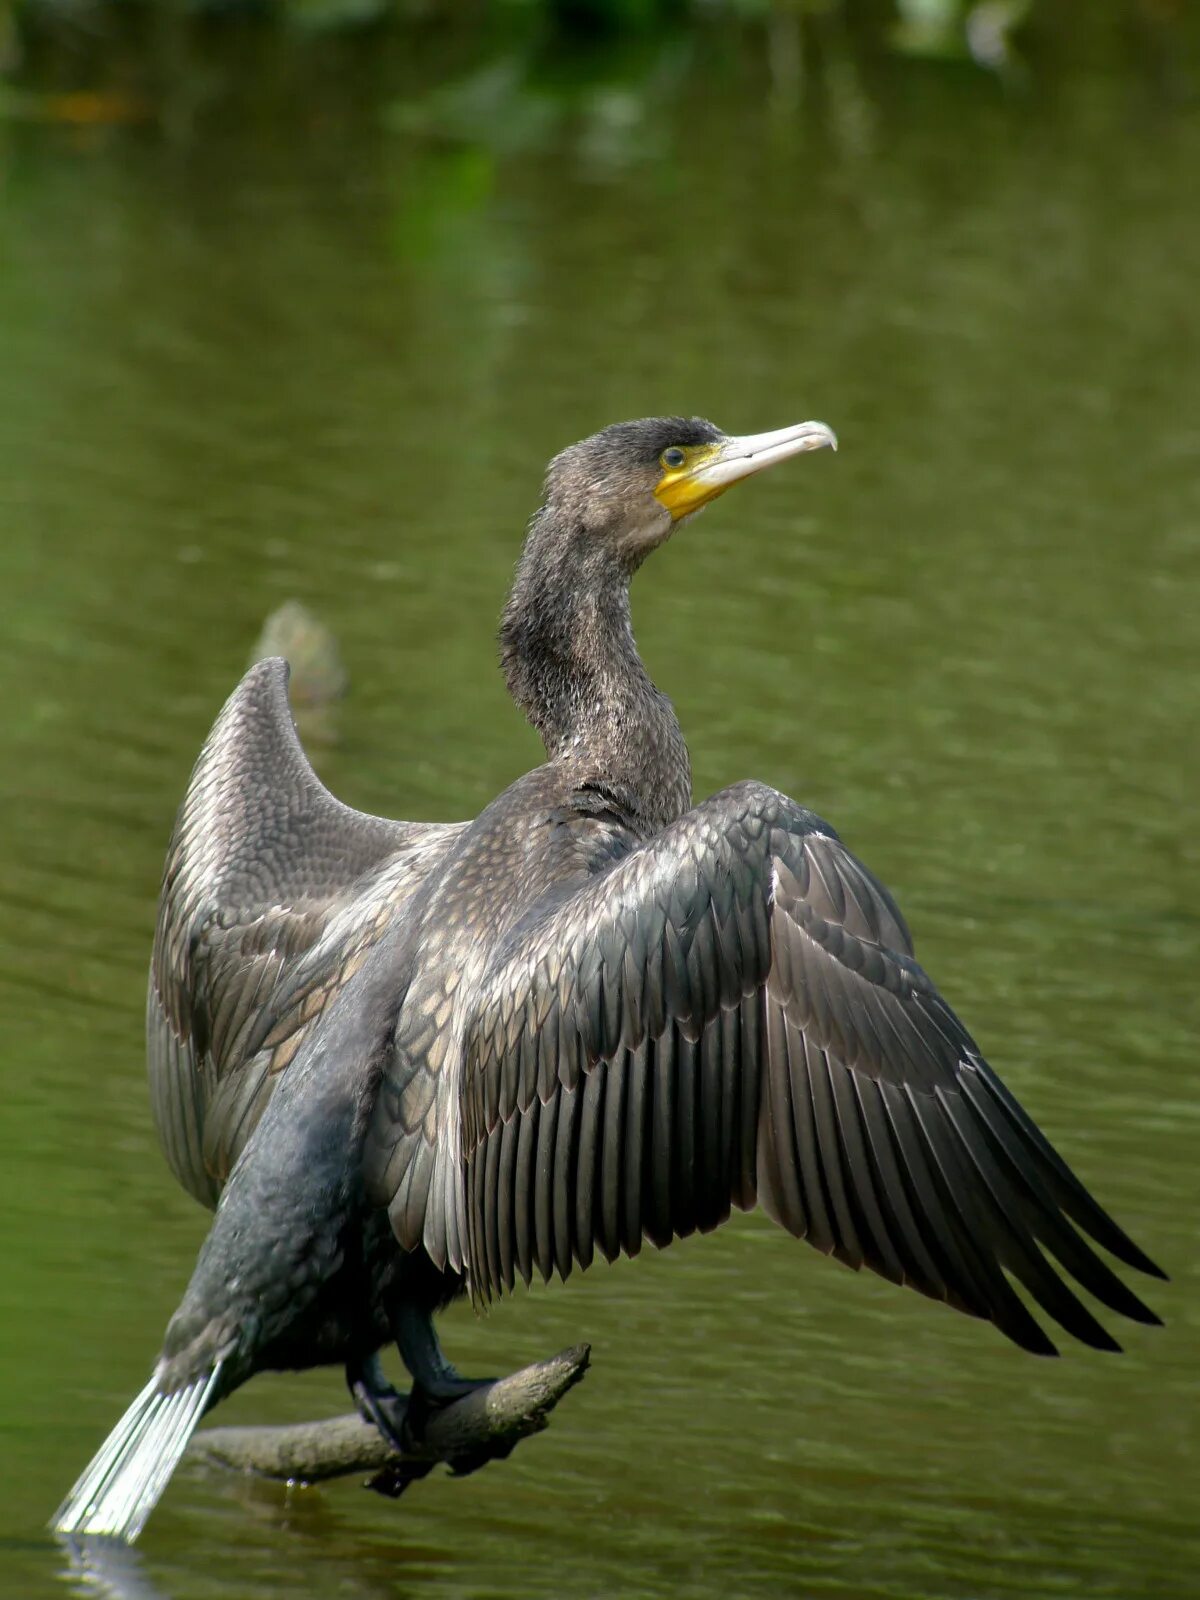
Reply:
x=733 y=1013
x=273 y=894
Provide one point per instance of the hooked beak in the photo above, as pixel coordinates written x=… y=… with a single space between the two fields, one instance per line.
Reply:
x=706 y=475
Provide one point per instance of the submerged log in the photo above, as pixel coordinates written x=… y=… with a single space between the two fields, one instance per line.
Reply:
x=483 y=1426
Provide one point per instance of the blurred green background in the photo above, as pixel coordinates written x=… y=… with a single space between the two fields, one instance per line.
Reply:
x=295 y=302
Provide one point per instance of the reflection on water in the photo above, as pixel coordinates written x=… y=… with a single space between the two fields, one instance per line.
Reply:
x=323 y=355
x=106 y=1568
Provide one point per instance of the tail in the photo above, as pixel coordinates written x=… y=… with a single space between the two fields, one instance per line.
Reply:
x=122 y=1483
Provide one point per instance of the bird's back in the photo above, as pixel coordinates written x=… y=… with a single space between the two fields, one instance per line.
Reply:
x=526 y=854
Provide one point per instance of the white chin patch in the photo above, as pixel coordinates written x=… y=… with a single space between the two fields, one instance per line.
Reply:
x=651 y=528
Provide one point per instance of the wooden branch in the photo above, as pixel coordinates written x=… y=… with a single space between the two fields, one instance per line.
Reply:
x=483 y=1426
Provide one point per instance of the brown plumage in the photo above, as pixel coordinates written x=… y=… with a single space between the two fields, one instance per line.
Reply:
x=404 y=1059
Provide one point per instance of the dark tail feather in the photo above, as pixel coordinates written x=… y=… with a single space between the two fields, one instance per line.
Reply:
x=125 y=1478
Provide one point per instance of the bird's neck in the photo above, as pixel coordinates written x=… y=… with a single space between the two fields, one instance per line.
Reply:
x=571 y=665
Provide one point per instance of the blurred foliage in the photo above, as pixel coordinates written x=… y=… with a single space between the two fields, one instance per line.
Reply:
x=57 y=45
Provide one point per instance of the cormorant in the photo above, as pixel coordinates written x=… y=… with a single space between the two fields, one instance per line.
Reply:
x=407 y=1059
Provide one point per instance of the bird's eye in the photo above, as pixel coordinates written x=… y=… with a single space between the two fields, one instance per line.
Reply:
x=674 y=457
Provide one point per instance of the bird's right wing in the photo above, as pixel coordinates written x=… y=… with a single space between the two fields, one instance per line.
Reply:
x=273 y=893
x=732 y=1012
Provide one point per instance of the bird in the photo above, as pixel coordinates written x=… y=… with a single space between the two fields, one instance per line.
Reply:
x=408 y=1061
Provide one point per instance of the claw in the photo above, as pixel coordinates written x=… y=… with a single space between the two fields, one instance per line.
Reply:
x=395 y=1478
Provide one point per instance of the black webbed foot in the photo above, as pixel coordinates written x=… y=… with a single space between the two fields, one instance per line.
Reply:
x=463 y=1466
x=427 y=1399
x=395 y=1478
x=378 y=1403
x=436 y=1384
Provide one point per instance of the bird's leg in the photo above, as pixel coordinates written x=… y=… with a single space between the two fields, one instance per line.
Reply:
x=435 y=1382
x=377 y=1401
x=386 y=1409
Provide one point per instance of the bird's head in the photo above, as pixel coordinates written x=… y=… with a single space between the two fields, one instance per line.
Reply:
x=565 y=639
x=633 y=482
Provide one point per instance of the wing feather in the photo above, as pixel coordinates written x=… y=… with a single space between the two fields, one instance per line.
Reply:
x=273 y=892
x=660 y=1148
x=731 y=1013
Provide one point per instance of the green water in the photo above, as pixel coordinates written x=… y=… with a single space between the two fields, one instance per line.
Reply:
x=320 y=348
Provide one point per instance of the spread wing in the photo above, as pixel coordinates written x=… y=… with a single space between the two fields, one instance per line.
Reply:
x=732 y=1013
x=273 y=893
